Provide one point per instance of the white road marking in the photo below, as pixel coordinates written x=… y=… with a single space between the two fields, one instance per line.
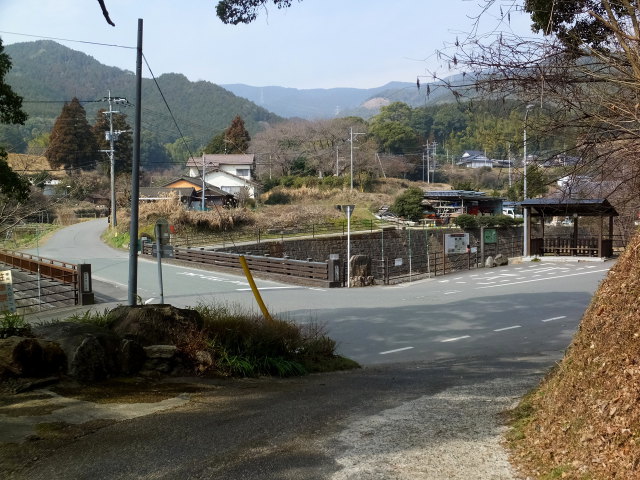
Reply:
x=317 y=289
x=396 y=350
x=507 y=328
x=451 y=292
x=554 y=318
x=267 y=288
x=149 y=301
x=454 y=339
x=545 y=279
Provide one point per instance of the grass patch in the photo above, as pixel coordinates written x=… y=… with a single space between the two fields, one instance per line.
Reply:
x=242 y=343
x=101 y=319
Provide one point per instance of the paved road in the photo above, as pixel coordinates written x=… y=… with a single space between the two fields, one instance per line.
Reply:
x=516 y=309
x=442 y=358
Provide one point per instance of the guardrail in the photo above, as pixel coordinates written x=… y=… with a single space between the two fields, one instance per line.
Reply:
x=258 y=235
x=78 y=277
x=47 y=267
x=314 y=273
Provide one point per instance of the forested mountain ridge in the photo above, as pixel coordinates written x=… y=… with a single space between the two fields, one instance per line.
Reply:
x=47 y=74
x=319 y=103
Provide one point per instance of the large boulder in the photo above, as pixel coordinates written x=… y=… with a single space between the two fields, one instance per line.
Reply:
x=93 y=352
x=360 y=271
x=501 y=260
x=30 y=357
x=155 y=324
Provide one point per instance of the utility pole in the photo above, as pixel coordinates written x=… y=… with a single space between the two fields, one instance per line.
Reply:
x=351 y=141
x=203 y=182
x=112 y=137
x=132 y=292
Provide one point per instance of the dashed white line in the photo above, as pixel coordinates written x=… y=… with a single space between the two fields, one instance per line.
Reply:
x=554 y=318
x=451 y=292
x=396 y=350
x=455 y=339
x=267 y=288
x=545 y=279
x=507 y=328
x=149 y=301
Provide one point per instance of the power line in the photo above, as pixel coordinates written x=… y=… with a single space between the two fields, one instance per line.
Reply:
x=68 y=40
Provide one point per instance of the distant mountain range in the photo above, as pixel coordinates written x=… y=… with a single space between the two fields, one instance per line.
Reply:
x=337 y=102
x=46 y=74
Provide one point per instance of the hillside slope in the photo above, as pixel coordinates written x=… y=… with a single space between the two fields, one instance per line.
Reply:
x=584 y=419
x=46 y=74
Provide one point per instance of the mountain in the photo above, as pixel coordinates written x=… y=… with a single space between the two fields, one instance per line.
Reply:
x=46 y=74
x=333 y=102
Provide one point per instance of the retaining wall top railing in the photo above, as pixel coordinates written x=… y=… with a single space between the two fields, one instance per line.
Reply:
x=309 y=271
x=47 y=267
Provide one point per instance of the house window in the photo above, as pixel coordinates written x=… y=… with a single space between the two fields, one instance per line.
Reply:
x=243 y=172
x=233 y=190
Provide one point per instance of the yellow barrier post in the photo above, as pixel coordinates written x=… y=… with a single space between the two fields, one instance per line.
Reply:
x=254 y=289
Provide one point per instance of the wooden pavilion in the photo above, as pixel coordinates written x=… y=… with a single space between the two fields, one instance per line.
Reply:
x=599 y=244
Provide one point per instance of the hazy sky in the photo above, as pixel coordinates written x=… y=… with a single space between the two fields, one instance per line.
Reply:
x=313 y=44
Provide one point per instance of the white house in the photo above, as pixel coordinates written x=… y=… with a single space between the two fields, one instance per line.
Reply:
x=474 y=159
x=231 y=173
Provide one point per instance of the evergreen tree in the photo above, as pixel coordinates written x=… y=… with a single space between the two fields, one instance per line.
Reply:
x=11 y=184
x=216 y=144
x=409 y=204
x=72 y=143
x=123 y=143
x=236 y=137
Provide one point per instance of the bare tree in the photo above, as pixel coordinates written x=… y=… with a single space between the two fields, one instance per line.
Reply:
x=582 y=74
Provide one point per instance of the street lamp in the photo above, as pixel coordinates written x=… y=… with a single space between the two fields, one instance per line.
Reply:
x=524 y=184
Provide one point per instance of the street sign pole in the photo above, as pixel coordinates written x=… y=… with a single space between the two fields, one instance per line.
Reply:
x=159 y=232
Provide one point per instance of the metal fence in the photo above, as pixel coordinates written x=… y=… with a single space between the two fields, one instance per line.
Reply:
x=225 y=239
x=41 y=282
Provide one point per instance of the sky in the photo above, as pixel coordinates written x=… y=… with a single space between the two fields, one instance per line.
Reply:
x=312 y=44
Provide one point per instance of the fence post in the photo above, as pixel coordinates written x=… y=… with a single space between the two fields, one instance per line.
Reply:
x=85 y=289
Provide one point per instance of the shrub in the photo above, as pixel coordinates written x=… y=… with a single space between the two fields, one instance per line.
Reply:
x=278 y=197
x=333 y=182
x=243 y=343
x=466 y=221
x=409 y=204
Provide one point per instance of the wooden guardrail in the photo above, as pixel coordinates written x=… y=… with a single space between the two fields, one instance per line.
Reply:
x=77 y=278
x=314 y=272
x=47 y=267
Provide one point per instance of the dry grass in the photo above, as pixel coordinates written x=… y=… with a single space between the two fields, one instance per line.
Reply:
x=584 y=420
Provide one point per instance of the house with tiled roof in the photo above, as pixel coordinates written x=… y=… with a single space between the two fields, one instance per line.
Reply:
x=232 y=173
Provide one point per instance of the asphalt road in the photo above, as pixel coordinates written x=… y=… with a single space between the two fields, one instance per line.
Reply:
x=516 y=309
x=442 y=358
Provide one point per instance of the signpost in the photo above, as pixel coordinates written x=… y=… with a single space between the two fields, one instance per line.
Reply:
x=161 y=246
x=348 y=210
x=7 y=299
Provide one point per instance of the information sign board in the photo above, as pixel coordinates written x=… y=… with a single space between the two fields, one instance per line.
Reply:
x=7 y=299
x=456 y=243
x=490 y=235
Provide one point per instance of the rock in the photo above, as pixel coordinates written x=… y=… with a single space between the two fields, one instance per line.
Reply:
x=489 y=263
x=133 y=356
x=203 y=360
x=30 y=357
x=360 y=266
x=160 y=358
x=93 y=352
x=501 y=260
x=155 y=324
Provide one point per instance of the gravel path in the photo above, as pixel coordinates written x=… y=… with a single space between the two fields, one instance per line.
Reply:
x=456 y=434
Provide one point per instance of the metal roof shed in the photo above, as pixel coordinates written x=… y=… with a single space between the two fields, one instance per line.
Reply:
x=576 y=208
